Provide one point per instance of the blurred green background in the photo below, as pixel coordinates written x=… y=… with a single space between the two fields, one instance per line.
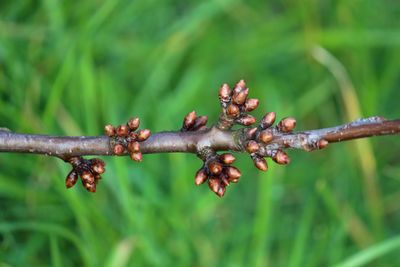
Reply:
x=70 y=67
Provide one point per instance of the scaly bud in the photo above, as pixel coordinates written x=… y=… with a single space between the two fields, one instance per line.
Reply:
x=221 y=190
x=91 y=187
x=322 y=143
x=251 y=104
x=136 y=156
x=260 y=163
x=133 y=146
x=200 y=122
x=266 y=136
x=118 y=149
x=233 y=110
x=189 y=119
x=233 y=173
x=109 y=130
x=225 y=93
x=133 y=123
x=241 y=84
x=122 y=130
x=201 y=176
x=246 y=120
x=281 y=158
x=287 y=124
x=87 y=177
x=224 y=180
x=143 y=134
x=214 y=184
x=215 y=167
x=252 y=146
x=71 y=179
x=239 y=97
x=227 y=158
x=268 y=120
x=98 y=165
x=250 y=134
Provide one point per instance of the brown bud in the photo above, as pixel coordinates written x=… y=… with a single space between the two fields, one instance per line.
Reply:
x=133 y=123
x=268 y=120
x=133 y=146
x=119 y=149
x=189 y=119
x=201 y=176
x=221 y=190
x=260 y=163
x=214 y=184
x=251 y=104
x=252 y=146
x=250 y=134
x=98 y=166
x=246 y=120
x=322 y=143
x=233 y=173
x=287 y=124
x=91 y=187
x=224 y=180
x=233 y=110
x=136 y=156
x=133 y=135
x=239 y=97
x=71 y=179
x=200 y=122
x=109 y=130
x=97 y=177
x=143 y=134
x=281 y=158
x=215 y=167
x=227 y=158
x=241 y=84
x=122 y=130
x=225 y=93
x=87 y=177
x=266 y=136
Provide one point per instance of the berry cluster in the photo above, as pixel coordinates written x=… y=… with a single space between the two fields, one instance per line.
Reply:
x=89 y=170
x=219 y=172
x=192 y=122
x=125 y=138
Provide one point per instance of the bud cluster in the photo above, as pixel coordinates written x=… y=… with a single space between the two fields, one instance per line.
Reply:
x=218 y=171
x=235 y=104
x=89 y=170
x=126 y=138
x=192 y=122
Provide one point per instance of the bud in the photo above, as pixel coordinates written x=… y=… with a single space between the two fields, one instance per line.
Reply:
x=214 y=184
x=143 y=135
x=287 y=124
x=246 y=120
x=189 y=119
x=97 y=177
x=250 y=134
x=266 y=136
x=133 y=146
x=200 y=122
x=251 y=104
x=252 y=146
x=233 y=110
x=281 y=158
x=109 y=130
x=260 y=163
x=241 y=84
x=225 y=93
x=322 y=143
x=227 y=158
x=221 y=190
x=119 y=149
x=133 y=135
x=233 y=173
x=97 y=166
x=133 y=123
x=122 y=130
x=239 y=97
x=71 y=179
x=215 y=167
x=87 y=177
x=136 y=156
x=201 y=176
x=268 y=120
x=91 y=187
x=224 y=180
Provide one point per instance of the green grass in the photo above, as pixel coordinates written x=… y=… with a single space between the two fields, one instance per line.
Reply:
x=68 y=68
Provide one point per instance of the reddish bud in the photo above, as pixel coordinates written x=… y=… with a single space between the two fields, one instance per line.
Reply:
x=119 y=149
x=239 y=97
x=91 y=187
x=251 y=133
x=136 y=156
x=189 y=119
x=225 y=93
x=251 y=104
x=252 y=146
x=133 y=146
x=214 y=184
x=109 y=130
x=143 y=134
x=281 y=158
x=122 y=130
x=246 y=120
x=287 y=124
x=87 y=177
x=215 y=167
x=233 y=110
x=268 y=120
x=98 y=166
x=133 y=123
x=201 y=176
x=233 y=173
x=133 y=135
x=260 y=163
x=71 y=179
x=221 y=190
x=227 y=158
x=266 y=136
x=322 y=143
x=200 y=122
x=241 y=84
x=224 y=180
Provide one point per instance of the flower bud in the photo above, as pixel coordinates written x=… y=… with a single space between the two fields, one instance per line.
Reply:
x=268 y=120
x=189 y=120
x=246 y=120
x=260 y=163
x=118 y=149
x=287 y=124
x=143 y=135
x=137 y=156
x=227 y=158
x=252 y=146
x=281 y=158
x=266 y=136
x=241 y=84
x=250 y=134
x=233 y=110
x=133 y=123
x=71 y=179
x=91 y=187
x=225 y=93
x=215 y=167
x=221 y=190
x=133 y=146
x=224 y=180
x=200 y=122
x=214 y=184
x=97 y=166
x=87 y=177
x=251 y=104
x=322 y=143
x=201 y=176
x=233 y=173
x=109 y=130
x=122 y=130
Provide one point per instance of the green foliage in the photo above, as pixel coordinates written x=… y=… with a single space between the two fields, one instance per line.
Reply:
x=70 y=67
